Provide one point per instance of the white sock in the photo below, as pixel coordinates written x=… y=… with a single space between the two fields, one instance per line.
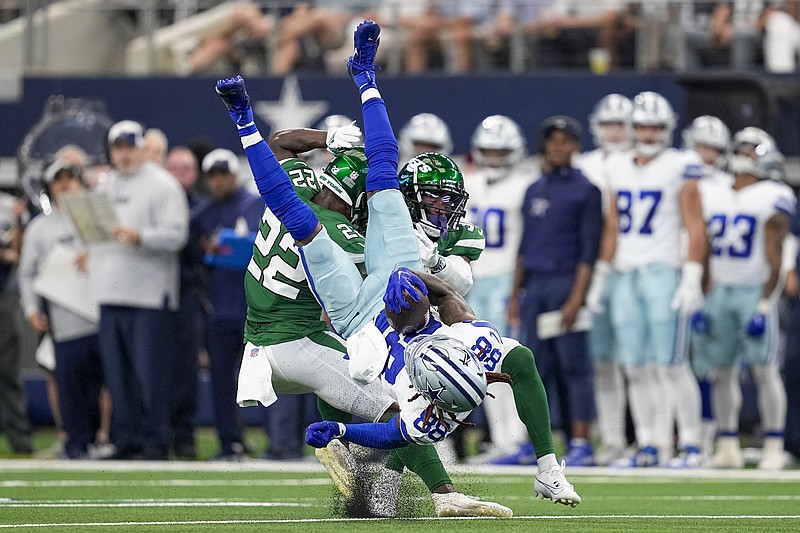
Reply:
x=664 y=407
x=610 y=399
x=640 y=387
x=726 y=398
x=771 y=398
x=688 y=408
x=546 y=462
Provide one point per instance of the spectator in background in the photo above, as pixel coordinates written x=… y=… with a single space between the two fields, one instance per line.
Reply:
x=78 y=369
x=182 y=164
x=566 y=30
x=13 y=419
x=232 y=207
x=425 y=132
x=135 y=280
x=562 y=214
x=155 y=146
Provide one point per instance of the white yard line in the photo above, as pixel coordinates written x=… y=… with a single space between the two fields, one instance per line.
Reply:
x=335 y=520
x=13 y=483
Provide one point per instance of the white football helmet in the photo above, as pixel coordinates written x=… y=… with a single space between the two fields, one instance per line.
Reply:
x=755 y=152
x=445 y=372
x=611 y=109
x=710 y=131
x=652 y=109
x=498 y=132
x=425 y=128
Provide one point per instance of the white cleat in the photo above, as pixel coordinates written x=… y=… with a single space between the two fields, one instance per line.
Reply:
x=552 y=484
x=457 y=504
x=728 y=453
x=340 y=464
x=772 y=455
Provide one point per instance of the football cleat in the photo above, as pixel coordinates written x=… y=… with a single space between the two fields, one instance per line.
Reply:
x=365 y=41
x=234 y=95
x=644 y=457
x=552 y=484
x=728 y=453
x=340 y=465
x=580 y=455
x=688 y=457
x=525 y=455
x=773 y=457
x=457 y=504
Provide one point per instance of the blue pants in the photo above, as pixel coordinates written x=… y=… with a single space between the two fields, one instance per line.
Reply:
x=79 y=377
x=185 y=368
x=225 y=345
x=791 y=377
x=137 y=349
x=563 y=362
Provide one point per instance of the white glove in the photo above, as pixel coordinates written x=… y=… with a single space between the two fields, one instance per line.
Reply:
x=428 y=250
x=343 y=137
x=594 y=296
x=689 y=294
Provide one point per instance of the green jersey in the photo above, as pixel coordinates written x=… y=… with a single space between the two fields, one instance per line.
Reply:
x=280 y=304
x=466 y=241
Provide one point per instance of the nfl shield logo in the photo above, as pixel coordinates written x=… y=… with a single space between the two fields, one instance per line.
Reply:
x=254 y=352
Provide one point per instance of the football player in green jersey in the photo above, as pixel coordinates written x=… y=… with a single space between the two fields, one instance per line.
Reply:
x=434 y=190
x=284 y=325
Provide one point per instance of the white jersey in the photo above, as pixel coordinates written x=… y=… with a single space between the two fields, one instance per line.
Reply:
x=496 y=207
x=648 y=208
x=594 y=165
x=418 y=423
x=735 y=222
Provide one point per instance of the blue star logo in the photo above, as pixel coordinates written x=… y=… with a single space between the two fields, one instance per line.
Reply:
x=432 y=393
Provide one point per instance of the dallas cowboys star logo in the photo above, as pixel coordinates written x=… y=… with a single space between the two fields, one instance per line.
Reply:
x=432 y=393
x=290 y=111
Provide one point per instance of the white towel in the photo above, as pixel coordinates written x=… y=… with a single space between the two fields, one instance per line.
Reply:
x=367 y=351
x=255 y=378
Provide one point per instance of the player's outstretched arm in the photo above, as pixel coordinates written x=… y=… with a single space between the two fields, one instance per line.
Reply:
x=384 y=435
x=290 y=142
x=380 y=144
x=272 y=181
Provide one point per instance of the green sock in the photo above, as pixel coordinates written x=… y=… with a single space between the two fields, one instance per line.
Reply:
x=329 y=412
x=530 y=398
x=423 y=461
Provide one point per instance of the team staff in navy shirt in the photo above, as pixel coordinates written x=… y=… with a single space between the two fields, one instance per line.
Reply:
x=791 y=365
x=229 y=205
x=562 y=216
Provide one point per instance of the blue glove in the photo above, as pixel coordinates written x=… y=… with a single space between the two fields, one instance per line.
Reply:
x=402 y=280
x=758 y=322
x=234 y=95
x=699 y=322
x=319 y=434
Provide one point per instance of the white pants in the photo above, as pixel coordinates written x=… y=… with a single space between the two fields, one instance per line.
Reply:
x=303 y=366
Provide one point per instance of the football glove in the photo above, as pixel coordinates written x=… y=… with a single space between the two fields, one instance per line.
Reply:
x=401 y=281
x=343 y=137
x=319 y=434
x=700 y=322
x=428 y=250
x=234 y=94
x=688 y=296
x=758 y=322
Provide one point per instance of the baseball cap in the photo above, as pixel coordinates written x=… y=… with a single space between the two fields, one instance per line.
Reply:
x=568 y=125
x=221 y=159
x=128 y=132
x=57 y=166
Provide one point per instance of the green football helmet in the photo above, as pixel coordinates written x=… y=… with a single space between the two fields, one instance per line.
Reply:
x=346 y=177
x=434 y=190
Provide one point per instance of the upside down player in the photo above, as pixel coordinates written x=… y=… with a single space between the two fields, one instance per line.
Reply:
x=424 y=419
x=341 y=288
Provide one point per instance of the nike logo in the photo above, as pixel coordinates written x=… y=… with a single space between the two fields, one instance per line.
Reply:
x=555 y=488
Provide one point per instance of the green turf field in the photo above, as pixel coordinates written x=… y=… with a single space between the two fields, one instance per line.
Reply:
x=262 y=496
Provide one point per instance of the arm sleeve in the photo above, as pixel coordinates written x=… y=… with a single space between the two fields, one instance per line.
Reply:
x=380 y=145
x=384 y=435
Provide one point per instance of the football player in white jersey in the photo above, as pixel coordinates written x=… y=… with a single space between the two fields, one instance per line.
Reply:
x=497 y=183
x=425 y=132
x=655 y=290
x=747 y=223
x=710 y=138
x=610 y=124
